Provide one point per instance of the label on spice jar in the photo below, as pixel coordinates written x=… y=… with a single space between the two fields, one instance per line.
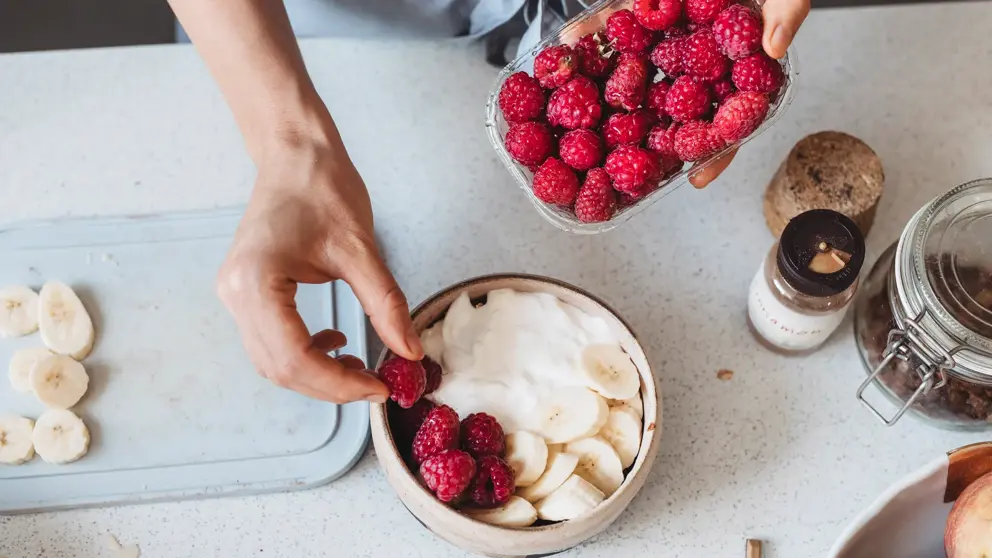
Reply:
x=784 y=327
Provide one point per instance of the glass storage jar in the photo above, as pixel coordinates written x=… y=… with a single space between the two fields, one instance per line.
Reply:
x=923 y=322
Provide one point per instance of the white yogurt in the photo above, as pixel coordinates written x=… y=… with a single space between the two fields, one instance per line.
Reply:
x=506 y=357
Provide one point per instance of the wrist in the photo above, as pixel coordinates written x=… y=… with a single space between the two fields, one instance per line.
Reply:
x=298 y=122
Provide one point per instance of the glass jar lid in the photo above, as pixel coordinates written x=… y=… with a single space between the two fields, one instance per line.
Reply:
x=944 y=275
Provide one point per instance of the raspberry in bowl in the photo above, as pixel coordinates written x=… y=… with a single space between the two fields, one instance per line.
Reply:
x=614 y=73
x=542 y=429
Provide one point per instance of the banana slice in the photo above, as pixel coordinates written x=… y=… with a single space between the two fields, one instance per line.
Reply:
x=15 y=439
x=59 y=382
x=21 y=365
x=60 y=436
x=598 y=463
x=516 y=512
x=634 y=403
x=527 y=455
x=66 y=327
x=623 y=431
x=570 y=500
x=570 y=414
x=608 y=370
x=560 y=467
x=18 y=311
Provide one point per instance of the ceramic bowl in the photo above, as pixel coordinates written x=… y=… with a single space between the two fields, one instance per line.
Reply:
x=489 y=540
x=908 y=520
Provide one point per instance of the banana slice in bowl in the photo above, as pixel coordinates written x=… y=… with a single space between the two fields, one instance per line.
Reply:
x=65 y=325
x=16 y=446
x=60 y=436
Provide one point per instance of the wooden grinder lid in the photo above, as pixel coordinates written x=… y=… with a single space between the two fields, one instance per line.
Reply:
x=826 y=170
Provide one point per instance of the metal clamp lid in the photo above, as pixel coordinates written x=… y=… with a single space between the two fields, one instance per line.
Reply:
x=909 y=341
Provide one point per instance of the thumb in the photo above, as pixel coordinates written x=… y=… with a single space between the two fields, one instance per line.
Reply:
x=782 y=21
x=385 y=305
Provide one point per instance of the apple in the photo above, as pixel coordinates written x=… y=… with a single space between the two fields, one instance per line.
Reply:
x=969 y=526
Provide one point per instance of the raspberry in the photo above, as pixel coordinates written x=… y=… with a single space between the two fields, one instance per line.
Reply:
x=448 y=473
x=631 y=167
x=493 y=484
x=521 y=98
x=439 y=432
x=677 y=31
x=433 y=372
x=626 y=34
x=655 y=99
x=627 y=128
x=758 y=72
x=627 y=85
x=529 y=142
x=657 y=15
x=404 y=423
x=697 y=140
x=723 y=88
x=575 y=104
x=661 y=140
x=554 y=66
x=668 y=56
x=555 y=183
x=687 y=100
x=593 y=61
x=406 y=380
x=482 y=435
x=581 y=149
x=596 y=201
x=738 y=31
x=703 y=11
x=703 y=58
x=740 y=115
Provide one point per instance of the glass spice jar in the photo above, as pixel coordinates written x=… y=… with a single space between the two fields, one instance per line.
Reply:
x=923 y=321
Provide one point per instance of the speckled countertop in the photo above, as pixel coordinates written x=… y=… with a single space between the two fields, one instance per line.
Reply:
x=782 y=451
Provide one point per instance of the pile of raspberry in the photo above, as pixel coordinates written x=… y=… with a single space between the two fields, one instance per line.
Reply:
x=602 y=123
x=460 y=461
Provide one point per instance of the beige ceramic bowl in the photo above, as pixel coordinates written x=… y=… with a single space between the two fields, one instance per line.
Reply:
x=481 y=538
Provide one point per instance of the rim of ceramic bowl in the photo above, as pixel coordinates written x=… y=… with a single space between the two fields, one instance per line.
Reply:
x=640 y=466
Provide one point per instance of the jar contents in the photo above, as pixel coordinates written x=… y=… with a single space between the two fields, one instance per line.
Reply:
x=802 y=290
x=960 y=401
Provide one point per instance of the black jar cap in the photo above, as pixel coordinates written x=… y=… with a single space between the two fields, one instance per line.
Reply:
x=805 y=237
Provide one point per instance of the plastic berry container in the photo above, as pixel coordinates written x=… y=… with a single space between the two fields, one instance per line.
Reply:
x=592 y=20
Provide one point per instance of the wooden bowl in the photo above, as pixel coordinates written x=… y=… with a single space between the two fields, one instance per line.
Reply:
x=908 y=520
x=490 y=540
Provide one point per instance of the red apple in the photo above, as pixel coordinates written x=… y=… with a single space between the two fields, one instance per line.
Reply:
x=969 y=526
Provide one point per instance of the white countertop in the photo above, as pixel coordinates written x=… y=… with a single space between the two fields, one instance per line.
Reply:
x=783 y=451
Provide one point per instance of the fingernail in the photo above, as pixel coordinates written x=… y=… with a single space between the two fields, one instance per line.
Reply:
x=413 y=341
x=781 y=38
x=376 y=398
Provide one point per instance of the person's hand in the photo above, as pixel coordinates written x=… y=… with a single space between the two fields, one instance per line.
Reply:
x=782 y=21
x=310 y=221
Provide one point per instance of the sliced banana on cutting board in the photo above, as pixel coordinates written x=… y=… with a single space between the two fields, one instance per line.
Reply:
x=22 y=363
x=527 y=455
x=570 y=500
x=560 y=467
x=16 y=446
x=598 y=463
x=634 y=404
x=516 y=512
x=59 y=381
x=60 y=436
x=18 y=311
x=570 y=414
x=608 y=370
x=66 y=327
x=623 y=431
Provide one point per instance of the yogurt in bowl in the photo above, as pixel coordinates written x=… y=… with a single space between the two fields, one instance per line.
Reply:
x=524 y=356
x=539 y=344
